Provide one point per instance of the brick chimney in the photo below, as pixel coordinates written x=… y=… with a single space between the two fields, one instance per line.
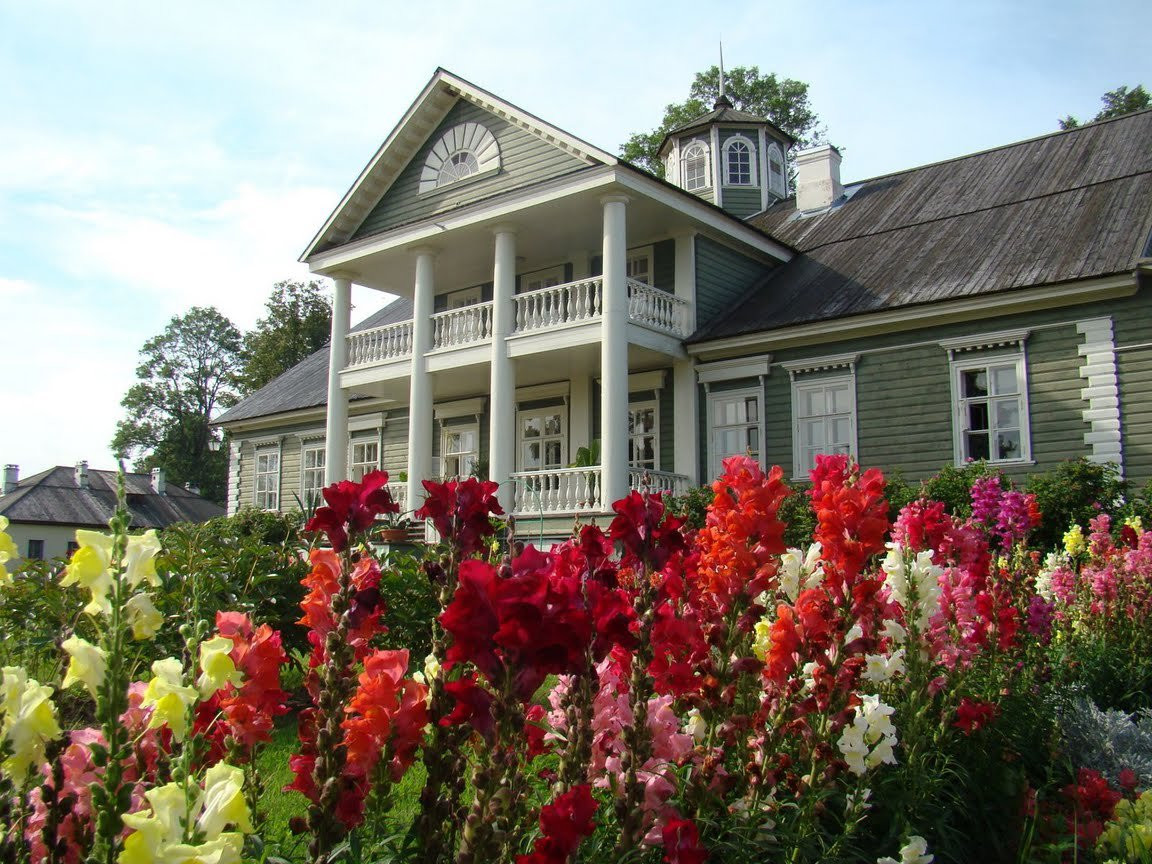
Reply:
x=82 y=474
x=11 y=478
x=818 y=178
x=158 y=482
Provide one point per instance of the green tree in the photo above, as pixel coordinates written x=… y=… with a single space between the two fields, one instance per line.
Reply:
x=298 y=323
x=185 y=374
x=1117 y=103
x=784 y=101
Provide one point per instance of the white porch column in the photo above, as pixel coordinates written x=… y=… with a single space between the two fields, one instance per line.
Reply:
x=336 y=427
x=685 y=398
x=614 y=353
x=420 y=383
x=502 y=403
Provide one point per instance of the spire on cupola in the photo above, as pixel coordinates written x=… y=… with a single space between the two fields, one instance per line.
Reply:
x=722 y=101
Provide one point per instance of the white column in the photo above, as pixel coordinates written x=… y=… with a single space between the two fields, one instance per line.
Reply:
x=336 y=428
x=685 y=395
x=420 y=384
x=502 y=404
x=614 y=353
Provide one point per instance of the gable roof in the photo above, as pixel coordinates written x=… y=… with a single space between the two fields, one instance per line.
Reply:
x=305 y=385
x=1067 y=206
x=418 y=122
x=52 y=497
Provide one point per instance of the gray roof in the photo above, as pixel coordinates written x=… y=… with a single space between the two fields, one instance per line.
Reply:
x=53 y=497
x=723 y=112
x=305 y=385
x=1068 y=206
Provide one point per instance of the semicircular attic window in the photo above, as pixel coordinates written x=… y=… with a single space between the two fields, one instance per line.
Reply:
x=464 y=151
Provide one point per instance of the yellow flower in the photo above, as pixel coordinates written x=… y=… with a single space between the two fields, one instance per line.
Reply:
x=143 y=616
x=87 y=665
x=216 y=667
x=1133 y=522
x=90 y=568
x=29 y=721
x=7 y=552
x=223 y=801
x=763 y=640
x=139 y=559
x=1074 y=541
x=169 y=698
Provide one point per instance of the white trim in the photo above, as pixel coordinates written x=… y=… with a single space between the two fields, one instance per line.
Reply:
x=536 y=392
x=706 y=156
x=276 y=449
x=803 y=384
x=820 y=364
x=353 y=443
x=306 y=448
x=782 y=191
x=473 y=296
x=717 y=179
x=638 y=382
x=460 y=408
x=647 y=253
x=753 y=160
x=318 y=434
x=445 y=431
x=542 y=274
x=266 y=441
x=1101 y=391
x=367 y=422
x=468 y=137
x=762 y=161
x=654 y=405
x=521 y=413
x=729 y=370
x=983 y=341
x=957 y=367
x=714 y=461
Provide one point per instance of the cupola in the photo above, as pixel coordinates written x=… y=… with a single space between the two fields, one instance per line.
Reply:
x=730 y=158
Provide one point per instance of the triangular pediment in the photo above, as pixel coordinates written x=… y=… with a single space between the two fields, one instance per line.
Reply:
x=394 y=187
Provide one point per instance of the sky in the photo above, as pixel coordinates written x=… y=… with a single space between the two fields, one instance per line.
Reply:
x=156 y=156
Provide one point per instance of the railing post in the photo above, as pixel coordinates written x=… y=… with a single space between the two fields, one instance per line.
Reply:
x=336 y=425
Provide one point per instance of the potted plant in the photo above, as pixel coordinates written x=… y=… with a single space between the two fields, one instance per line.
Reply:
x=394 y=530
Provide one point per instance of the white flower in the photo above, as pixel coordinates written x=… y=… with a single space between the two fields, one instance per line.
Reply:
x=883 y=667
x=915 y=851
x=696 y=725
x=896 y=574
x=800 y=571
x=854 y=632
x=895 y=631
x=926 y=576
x=870 y=739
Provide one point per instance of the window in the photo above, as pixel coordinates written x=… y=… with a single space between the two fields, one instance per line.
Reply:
x=365 y=458
x=739 y=161
x=644 y=436
x=537 y=279
x=694 y=167
x=267 y=495
x=464 y=151
x=639 y=265
x=313 y=460
x=72 y=547
x=777 y=184
x=991 y=409
x=459 y=449
x=35 y=550
x=542 y=439
x=735 y=426
x=824 y=420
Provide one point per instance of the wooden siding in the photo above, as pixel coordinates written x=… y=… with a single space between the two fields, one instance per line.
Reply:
x=723 y=278
x=524 y=159
x=394 y=444
x=1132 y=327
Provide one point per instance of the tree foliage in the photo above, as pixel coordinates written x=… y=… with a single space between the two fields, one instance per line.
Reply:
x=784 y=101
x=297 y=324
x=185 y=374
x=1116 y=103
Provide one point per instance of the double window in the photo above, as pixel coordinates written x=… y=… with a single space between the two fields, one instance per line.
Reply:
x=542 y=439
x=639 y=265
x=739 y=162
x=990 y=408
x=365 y=457
x=694 y=166
x=644 y=436
x=459 y=450
x=267 y=478
x=736 y=425
x=313 y=459
x=824 y=420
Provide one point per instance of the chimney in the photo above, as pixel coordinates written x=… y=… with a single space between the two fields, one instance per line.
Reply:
x=818 y=178
x=11 y=478
x=82 y=474
x=158 y=484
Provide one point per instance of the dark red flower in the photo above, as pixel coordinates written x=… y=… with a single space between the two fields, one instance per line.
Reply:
x=648 y=532
x=972 y=715
x=682 y=843
x=473 y=706
x=352 y=508
x=563 y=824
x=462 y=511
x=534 y=731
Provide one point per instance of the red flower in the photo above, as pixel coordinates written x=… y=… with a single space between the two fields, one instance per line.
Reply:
x=852 y=516
x=785 y=642
x=473 y=706
x=323 y=583
x=972 y=715
x=534 y=732
x=462 y=511
x=682 y=843
x=387 y=709
x=648 y=532
x=563 y=824
x=352 y=508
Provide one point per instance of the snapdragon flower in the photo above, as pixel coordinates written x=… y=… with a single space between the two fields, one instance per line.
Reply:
x=883 y=667
x=921 y=575
x=7 y=552
x=87 y=665
x=800 y=571
x=91 y=566
x=169 y=697
x=28 y=723
x=143 y=617
x=216 y=666
x=1074 y=541
x=915 y=851
x=870 y=739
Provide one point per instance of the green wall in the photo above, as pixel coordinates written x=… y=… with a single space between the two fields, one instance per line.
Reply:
x=723 y=276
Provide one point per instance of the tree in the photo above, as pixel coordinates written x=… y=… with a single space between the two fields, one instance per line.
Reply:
x=783 y=101
x=1117 y=103
x=185 y=374
x=297 y=324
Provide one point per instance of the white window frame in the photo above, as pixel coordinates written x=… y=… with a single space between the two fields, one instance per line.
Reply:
x=642 y=253
x=654 y=406
x=548 y=277
x=472 y=138
x=961 y=363
x=363 y=465
x=686 y=156
x=777 y=180
x=318 y=452
x=463 y=297
x=267 y=498
x=802 y=385
x=445 y=431
x=526 y=413
x=729 y=145
x=715 y=459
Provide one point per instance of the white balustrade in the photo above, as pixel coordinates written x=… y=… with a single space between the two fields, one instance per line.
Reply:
x=572 y=302
x=463 y=326
x=399 y=493
x=555 y=492
x=657 y=309
x=657 y=481
x=381 y=344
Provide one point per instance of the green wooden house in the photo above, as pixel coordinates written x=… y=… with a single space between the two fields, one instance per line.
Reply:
x=994 y=306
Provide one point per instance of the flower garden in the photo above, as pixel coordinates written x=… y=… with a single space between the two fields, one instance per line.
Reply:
x=902 y=686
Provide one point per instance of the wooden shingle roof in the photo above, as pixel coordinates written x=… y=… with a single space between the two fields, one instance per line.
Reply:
x=1068 y=206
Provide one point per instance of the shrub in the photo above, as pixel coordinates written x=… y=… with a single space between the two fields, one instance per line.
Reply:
x=410 y=604
x=692 y=506
x=1073 y=493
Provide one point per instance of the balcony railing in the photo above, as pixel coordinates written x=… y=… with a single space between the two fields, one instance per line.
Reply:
x=573 y=302
x=560 y=491
x=657 y=309
x=642 y=479
x=464 y=326
x=379 y=345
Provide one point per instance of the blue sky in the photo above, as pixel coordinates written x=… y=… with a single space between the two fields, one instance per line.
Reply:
x=155 y=156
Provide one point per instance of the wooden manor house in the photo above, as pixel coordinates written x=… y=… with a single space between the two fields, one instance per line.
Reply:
x=552 y=297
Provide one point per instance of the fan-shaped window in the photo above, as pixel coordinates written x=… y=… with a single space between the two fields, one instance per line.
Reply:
x=464 y=151
x=776 y=182
x=739 y=162
x=694 y=167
